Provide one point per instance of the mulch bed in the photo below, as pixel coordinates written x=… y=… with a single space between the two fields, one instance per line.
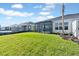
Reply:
x=68 y=37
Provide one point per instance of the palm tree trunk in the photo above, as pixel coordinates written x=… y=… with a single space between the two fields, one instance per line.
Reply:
x=62 y=18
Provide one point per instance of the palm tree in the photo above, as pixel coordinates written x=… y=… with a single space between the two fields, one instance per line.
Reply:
x=62 y=18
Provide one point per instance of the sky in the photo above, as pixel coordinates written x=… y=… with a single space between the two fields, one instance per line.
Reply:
x=16 y=13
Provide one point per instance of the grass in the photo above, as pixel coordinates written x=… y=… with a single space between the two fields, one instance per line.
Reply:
x=36 y=44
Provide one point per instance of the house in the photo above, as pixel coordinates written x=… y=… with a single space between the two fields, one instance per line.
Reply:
x=71 y=22
x=27 y=26
x=54 y=25
x=23 y=27
x=7 y=28
x=14 y=28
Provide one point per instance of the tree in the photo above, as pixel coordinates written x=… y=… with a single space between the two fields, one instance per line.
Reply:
x=62 y=18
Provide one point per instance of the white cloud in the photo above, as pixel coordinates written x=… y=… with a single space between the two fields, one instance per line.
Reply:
x=8 y=12
x=50 y=17
x=44 y=13
x=8 y=18
x=47 y=10
x=24 y=14
x=15 y=13
x=17 y=6
x=42 y=18
x=1 y=10
x=49 y=7
x=39 y=6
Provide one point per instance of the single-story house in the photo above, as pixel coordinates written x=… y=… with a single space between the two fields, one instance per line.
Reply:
x=54 y=25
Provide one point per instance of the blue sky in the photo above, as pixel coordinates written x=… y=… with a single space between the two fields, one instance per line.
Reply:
x=16 y=13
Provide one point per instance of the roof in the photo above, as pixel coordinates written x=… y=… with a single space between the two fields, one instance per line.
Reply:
x=68 y=16
x=47 y=20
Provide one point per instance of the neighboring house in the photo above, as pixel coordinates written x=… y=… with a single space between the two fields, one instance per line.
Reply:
x=7 y=28
x=14 y=28
x=27 y=26
x=2 y=28
x=23 y=27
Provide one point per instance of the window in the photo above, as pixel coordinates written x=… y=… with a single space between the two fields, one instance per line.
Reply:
x=56 y=26
x=78 y=25
x=65 y=25
x=60 y=26
x=46 y=26
x=78 y=28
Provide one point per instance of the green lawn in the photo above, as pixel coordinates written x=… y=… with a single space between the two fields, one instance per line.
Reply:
x=36 y=44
